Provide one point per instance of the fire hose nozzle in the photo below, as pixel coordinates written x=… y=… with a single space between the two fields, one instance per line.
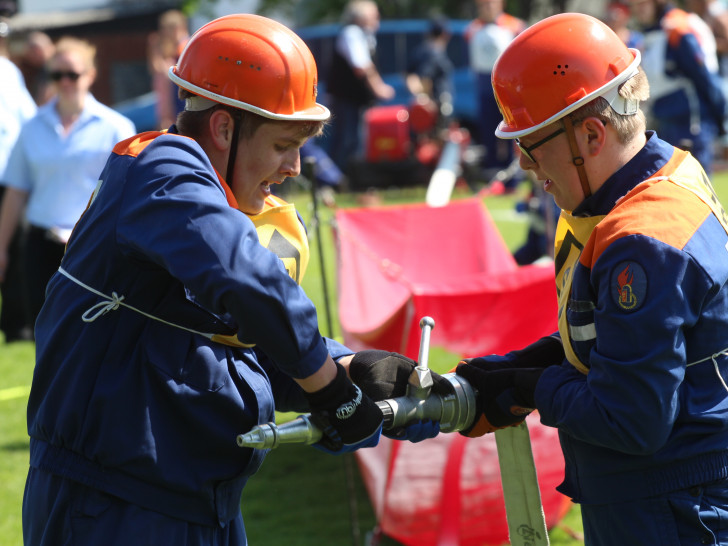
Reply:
x=454 y=411
x=299 y=431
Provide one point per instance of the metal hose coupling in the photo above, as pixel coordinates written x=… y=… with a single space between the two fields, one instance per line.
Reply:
x=454 y=411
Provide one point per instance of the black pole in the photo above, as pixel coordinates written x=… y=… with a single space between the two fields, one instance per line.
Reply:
x=309 y=171
x=309 y=165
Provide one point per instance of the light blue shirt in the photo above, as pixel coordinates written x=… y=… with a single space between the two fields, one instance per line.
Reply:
x=60 y=171
x=16 y=107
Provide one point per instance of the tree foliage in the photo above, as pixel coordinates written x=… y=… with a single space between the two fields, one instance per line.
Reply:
x=307 y=12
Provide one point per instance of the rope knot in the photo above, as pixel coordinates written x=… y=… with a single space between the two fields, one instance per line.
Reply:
x=103 y=307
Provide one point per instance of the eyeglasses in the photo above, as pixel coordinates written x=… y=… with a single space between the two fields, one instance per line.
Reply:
x=526 y=150
x=58 y=76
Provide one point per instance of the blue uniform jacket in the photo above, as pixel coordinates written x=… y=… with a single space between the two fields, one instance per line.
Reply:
x=651 y=287
x=147 y=411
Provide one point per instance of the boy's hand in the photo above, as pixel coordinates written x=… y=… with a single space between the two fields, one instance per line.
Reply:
x=348 y=418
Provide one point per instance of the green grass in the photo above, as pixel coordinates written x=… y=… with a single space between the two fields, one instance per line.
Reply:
x=295 y=500
x=16 y=370
x=300 y=497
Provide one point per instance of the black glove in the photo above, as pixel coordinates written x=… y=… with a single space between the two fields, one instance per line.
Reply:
x=383 y=375
x=505 y=396
x=545 y=352
x=348 y=418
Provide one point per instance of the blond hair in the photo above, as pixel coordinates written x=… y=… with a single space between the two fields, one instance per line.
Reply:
x=627 y=126
x=70 y=44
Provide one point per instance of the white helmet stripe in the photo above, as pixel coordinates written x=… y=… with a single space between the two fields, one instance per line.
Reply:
x=322 y=113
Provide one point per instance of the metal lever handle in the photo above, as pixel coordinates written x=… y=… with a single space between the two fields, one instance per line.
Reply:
x=420 y=381
x=454 y=411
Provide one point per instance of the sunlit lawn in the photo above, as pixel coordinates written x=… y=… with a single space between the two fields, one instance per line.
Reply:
x=300 y=497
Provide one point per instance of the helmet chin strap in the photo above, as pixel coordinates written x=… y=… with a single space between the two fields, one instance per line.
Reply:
x=578 y=159
x=232 y=156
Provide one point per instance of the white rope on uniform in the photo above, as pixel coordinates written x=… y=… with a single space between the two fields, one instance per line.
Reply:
x=113 y=302
x=712 y=358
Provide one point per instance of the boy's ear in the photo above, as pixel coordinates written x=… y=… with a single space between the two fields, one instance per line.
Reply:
x=221 y=129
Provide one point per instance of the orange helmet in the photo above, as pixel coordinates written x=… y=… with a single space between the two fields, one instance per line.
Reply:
x=556 y=66
x=252 y=63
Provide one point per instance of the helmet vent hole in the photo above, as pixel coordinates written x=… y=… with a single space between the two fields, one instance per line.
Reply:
x=238 y=62
x=561 y=69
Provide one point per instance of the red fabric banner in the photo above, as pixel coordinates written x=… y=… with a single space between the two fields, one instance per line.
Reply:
x=400 y=263
x=396 y=265
x=446 y=491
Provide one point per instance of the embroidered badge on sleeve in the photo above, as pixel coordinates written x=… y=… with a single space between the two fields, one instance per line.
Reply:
x=629 y=285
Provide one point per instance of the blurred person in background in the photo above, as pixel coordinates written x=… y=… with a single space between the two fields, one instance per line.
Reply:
x=36 y=51
x=488 y=35
x=542 y=214
x=354 y=81
x=163 y=50
x=715 y=15
x=429 y=71
x=16 y=107
x=687 y=105
x=618 y=17
x=55 y=164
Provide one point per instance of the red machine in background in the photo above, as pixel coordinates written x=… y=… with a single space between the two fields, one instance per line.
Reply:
x=402 y=145
x=387 y=130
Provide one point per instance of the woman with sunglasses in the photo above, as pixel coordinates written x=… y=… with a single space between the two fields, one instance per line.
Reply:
x=55 y=165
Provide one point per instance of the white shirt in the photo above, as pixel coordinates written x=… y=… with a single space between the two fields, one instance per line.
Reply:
x=16 y=107
x=486 y=46
x=60 y=171
x=356 y=46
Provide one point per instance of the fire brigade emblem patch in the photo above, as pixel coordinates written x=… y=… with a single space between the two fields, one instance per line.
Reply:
x=629 y=286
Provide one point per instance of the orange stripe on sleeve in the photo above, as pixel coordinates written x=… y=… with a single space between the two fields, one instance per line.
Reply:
x=673 y=221
x=133 y=146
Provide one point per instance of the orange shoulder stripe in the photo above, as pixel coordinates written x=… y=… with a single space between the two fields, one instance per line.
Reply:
x=678 y=217
x=676 y=25
x=133 y=146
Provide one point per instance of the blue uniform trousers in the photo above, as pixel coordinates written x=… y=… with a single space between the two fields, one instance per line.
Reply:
x=691 y=517
x=58 y=511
